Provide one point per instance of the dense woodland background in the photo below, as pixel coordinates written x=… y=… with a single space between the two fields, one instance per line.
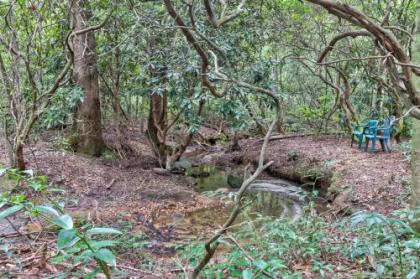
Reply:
x=98 y=77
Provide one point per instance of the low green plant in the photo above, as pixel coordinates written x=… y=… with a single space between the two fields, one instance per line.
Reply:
x=405 y=149
x=391 y=243
x=385 y=247
x=79 y=245
x=272 y=248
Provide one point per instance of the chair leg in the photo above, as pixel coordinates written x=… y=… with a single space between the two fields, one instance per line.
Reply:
x=383 y=145
x=388 y=145
x=373 y=145
x=360 y=141
x=367 y=144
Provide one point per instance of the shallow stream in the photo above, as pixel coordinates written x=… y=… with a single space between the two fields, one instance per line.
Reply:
x=265 y=197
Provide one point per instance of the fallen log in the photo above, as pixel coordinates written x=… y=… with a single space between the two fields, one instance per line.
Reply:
x=280 y=137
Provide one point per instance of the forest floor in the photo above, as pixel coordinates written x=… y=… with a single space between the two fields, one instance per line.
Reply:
x=130 y=195
x=349 y=177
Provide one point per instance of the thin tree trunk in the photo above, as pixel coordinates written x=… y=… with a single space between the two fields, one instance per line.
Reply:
x=415 y=157
x=18 y=160
x=7 y=143
x=87 y=125
x=156 y=125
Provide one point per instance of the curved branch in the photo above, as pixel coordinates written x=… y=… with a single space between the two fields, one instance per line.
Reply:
x=223 y=19
x=337 y=38
x=385 y=37
x=212 y=244
x=198 y=48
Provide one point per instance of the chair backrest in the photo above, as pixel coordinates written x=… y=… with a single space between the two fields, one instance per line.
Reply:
x=371 y=127
x=389 y=121
x=373 y=123
x=388 y=125
x=387 y=131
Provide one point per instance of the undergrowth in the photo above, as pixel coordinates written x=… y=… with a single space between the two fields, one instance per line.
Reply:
x=365 y=245
x=77 y=247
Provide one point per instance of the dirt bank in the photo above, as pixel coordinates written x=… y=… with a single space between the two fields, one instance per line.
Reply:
x=350 y=177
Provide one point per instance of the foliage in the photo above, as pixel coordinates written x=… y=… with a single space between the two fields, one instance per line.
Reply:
x=405 y=149
x=391 y=243
x=77 y=245
x=289 y=250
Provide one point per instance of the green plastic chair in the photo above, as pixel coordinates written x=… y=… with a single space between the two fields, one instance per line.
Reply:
x=359 y=131
x=384 y=138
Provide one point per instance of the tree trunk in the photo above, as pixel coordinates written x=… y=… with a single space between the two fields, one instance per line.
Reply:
x=87 y=125
x=158 y=116
x=18 y=159
x=156 y=126
x=415 y=157
x=6 y=141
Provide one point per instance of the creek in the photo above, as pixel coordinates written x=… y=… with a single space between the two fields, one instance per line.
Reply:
x=270 y=197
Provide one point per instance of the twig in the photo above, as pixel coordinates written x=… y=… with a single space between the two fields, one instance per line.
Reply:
x=110 y=184
x=407 y=113
x=18 y=232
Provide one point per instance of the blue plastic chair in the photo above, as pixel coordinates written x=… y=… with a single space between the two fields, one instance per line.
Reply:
x=384 y=138
x=360 y=130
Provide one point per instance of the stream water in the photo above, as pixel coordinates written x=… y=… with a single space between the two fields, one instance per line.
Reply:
x=267 y=197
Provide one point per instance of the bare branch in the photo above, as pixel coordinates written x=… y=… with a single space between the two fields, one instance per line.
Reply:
x=199 y=49
x=212 y=244
x=339 y=37
x=223 y=19
x=383 y=36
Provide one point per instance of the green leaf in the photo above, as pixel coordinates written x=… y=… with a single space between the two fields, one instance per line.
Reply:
x=247 y=274
x=380 y=269
x=102 y=243
x=412 y=274
x=10 y=211
x=64 y=222
x=358 y=217
x=39 y=183
x=106 y=256
x=102 y=231
x=66 y=239
x=261 y=264
x=276 y=263
x=28 y=172
x=47 y=209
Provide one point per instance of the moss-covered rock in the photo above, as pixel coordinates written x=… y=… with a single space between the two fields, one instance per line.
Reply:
x=235 y=181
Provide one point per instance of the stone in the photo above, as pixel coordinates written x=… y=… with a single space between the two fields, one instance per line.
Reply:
x=222 y=190
x=182 y=164
x=234 y=181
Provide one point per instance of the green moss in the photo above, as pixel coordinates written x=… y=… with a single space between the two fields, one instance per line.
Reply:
x=334 y=187
x=108 y=155
x=73 y=139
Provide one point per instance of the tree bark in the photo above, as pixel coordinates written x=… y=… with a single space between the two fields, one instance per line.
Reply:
x=87 y=125
x=156 y=126
x=18 y=160
x=415 y=156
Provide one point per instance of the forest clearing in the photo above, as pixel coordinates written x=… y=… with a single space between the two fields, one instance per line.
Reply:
x=209 y=139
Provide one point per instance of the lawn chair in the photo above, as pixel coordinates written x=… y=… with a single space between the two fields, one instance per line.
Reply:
x=384 y=137
x=360 y=130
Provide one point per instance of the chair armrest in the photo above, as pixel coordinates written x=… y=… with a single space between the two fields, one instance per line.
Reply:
x=384 y=128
